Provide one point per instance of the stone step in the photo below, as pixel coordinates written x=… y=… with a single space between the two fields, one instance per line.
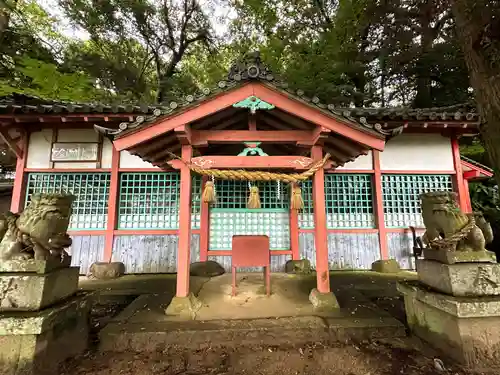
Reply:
x=289 y=331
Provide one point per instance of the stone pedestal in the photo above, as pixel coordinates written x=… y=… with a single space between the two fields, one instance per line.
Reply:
x=184 y=306
x=42 y=319
x=37 y=342
x=323 y=301
x=461 y=279
x=466 y=329
x=34 y=291
x=452 y=257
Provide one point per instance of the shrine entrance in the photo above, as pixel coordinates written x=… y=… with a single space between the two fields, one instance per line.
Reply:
x=230 y=216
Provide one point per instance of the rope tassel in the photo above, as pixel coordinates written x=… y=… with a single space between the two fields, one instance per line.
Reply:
x=209 y=192
x=253 y=199
x=297 y=202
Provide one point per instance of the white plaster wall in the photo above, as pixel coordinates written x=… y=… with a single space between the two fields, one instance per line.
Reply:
x=107 y=153
x=419 y=152
x=363 y=162
x=75 y=165
x=128 y=160
x=39 y=149
x=77 y=135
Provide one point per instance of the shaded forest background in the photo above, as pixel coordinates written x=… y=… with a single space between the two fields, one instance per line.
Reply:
x=346 y=52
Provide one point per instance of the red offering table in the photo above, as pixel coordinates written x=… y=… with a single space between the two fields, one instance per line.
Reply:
x=251 y=251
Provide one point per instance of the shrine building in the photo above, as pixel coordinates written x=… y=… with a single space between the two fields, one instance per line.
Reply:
x=137 y=204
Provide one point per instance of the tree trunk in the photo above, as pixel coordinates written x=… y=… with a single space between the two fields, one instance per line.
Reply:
x=6 y=7
x=480 y=40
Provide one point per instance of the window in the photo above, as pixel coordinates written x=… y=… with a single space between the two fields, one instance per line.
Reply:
x=234 y=194
x=91 y=190
x=149 y=201
x=349 y=201
x=401 y=196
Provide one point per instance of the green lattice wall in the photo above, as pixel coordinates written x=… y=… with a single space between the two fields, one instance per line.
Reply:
x=196 y=194
x=230 y=216
x=349 y=201
x=401 y=196
x=91 y=190
x=306 y=215
x=149 y=200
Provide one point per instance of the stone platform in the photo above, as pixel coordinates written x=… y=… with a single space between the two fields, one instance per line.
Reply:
x=250 y=318
x=465 y=328
x=37 y=342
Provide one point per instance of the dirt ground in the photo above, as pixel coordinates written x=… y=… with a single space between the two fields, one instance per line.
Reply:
x=374 y=358
x=383 y=357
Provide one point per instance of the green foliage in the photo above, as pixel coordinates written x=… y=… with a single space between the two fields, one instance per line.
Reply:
x=38 y=78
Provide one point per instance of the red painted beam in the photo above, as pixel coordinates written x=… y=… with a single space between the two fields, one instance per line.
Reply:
x=7 y=139
x=184 y=244
x=230 y=162
x=183 y=134
x=458 y=178
x=379 y=205
x=202 y=137
x=19 y=188
x=112 y=205
x=318 y=117
x=321 y=233
x=468 y=175
x=215 y=104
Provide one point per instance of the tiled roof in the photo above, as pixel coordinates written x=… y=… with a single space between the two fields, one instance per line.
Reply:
x=249 y=68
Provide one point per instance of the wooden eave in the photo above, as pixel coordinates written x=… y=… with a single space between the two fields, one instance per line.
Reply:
x=475 y=171
x=285 y=103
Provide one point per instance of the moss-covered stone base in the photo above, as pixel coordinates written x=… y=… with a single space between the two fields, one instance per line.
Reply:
x=452 y=257
x=323 y=301
x=35 y=343
x=466 y=329
x=106 y=271
x=184 y=306
x=33 y=291
x=386 y=266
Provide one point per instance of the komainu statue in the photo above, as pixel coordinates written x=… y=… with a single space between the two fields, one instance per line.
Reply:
x=40 y=231
x=450 y=229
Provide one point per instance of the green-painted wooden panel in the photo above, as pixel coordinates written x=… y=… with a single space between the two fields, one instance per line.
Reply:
x=401 y=196
x=91 y=190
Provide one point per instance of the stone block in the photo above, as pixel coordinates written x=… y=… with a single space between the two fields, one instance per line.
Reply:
x=32 y=291
x=460 y=279
x=299 y=267
x=323 y=301
x=35 y=343
x=184 y=306
x=386 y=266
x=466 y=329
x=452 y=257
x=34 y=266
x=106 y=271
x=209 y=268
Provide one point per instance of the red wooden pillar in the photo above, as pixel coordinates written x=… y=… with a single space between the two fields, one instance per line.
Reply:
x=458 y=180
x=320 y=233
x=294 y=234
x=204 y=225
x=112 y=204
x=468 y=207
x=19 y=188
x=379 y=205
x=184 y=248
